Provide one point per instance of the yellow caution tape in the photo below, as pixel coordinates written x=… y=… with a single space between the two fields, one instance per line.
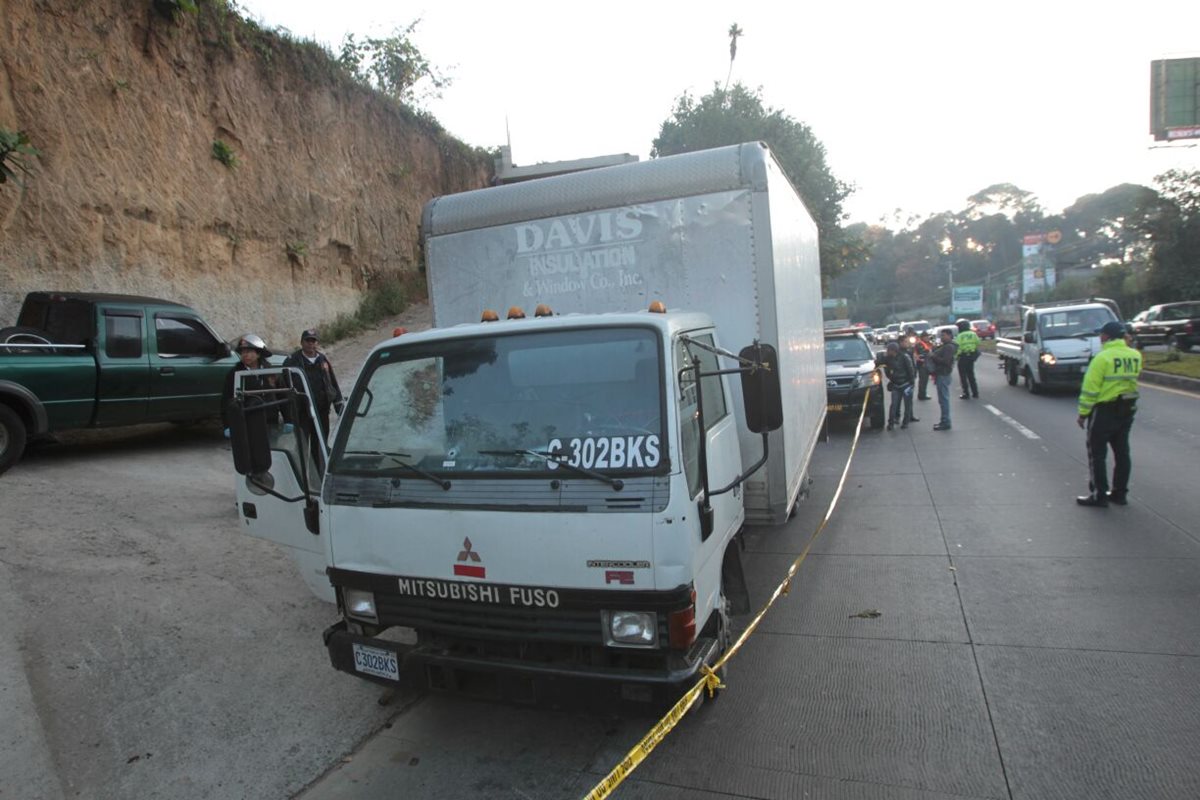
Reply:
x=709 y=679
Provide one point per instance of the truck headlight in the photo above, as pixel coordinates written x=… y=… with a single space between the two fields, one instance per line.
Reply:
x=630 y=628
x=1048 y=359
x=360 y=604
x=867 y=379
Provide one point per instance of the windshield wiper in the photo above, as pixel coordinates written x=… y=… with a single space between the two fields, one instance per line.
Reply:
x=557 y=458
x=395 y=457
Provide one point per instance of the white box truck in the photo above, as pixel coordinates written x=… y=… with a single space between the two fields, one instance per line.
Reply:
x=546 y=501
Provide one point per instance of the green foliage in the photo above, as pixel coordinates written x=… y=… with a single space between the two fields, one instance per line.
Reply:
x=386 y=298
x=14 y=148
x=738 y=115
x=170 y=9
x=393 y=65
x=296 y=251
x=224 y=153
x=1172 y=361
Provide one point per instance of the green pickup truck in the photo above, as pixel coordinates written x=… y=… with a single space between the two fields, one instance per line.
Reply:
x=78 y=360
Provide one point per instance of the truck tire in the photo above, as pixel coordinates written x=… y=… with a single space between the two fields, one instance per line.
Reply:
x=877 y=417
x=1011 y=373
x=1031 y=384
x=1172 y=343
x=12 y=437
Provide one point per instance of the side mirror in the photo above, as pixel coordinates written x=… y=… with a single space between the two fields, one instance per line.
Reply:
x=760 y=389
x=248 y=438
x=221 y=350
x=1030 y=338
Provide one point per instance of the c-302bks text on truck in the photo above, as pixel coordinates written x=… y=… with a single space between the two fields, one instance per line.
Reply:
x=557 y=499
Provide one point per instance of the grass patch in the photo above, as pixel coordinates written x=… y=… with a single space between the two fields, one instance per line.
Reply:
x=1186 y=364
x=387 y=297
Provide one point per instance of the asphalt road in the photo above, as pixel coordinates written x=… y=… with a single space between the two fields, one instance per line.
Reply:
x=1024 y=647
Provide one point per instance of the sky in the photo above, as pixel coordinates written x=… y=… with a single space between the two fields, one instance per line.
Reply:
x=918 y=104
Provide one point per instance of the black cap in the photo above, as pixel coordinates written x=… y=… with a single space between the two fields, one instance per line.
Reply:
x=311 y=333
x=1113 y=330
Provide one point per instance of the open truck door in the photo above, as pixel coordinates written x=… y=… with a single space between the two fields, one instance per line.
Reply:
x=280 y=459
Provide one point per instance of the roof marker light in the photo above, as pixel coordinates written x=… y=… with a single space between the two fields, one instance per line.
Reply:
x=543 y=310
x=658 y=307
x=516 y=312
x=489 y=316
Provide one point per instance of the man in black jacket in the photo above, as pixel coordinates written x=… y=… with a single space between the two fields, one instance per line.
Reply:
x=900 y=373
x=941 y=366
x=319 y=374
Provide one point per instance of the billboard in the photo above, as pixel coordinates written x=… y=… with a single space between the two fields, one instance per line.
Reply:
x=967 y=301
x=1175 y=99
x=836 y=312
x=1037 y=276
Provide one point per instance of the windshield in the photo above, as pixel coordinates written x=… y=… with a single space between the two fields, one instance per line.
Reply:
x=838 y=351
x=893 y=328
x=918 y=326
x=1073 y=322
x=508 y=404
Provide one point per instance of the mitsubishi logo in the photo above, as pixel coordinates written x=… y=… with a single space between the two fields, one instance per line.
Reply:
x=465 y=557
x=831 y=383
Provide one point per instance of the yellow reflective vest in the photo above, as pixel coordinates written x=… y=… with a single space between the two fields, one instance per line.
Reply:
x=967 y=341
x=1112 y=374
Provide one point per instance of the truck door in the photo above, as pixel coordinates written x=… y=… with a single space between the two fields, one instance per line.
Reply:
x=722 y=449
x=279 y=486
x=187 y=368
x=123 y=384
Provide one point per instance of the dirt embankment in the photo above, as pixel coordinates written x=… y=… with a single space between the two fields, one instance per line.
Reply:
x=124 y=106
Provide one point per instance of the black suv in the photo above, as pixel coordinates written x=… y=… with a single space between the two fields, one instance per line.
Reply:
x=1177 y=325
x=849 y=371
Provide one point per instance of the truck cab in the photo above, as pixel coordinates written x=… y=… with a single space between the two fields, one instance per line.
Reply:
x=531 y=503
x=1057 y=342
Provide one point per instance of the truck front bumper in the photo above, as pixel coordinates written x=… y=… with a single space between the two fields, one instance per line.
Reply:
x=1062 y=374
x=435 y=668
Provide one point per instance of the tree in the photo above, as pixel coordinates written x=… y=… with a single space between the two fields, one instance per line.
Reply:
x=394 y=66
x=738 y=115
x=1175 y=274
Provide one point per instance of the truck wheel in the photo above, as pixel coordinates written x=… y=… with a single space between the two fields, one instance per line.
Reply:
x=877 y=417
x=1011 y=373
x=1172 y=343
x=12 y=437
x=724 y=638
x=1031 y=384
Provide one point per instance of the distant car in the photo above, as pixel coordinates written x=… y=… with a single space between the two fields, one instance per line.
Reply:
x=1177 y=325
x=936 y=333
x=984 y=328
x=849 y=372
x=918 y=326
x=891 y=333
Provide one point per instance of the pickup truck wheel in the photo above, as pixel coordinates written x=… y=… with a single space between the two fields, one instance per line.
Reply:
x=877 y=419
x=1011 y=373
x=1172 y=343
x=12 y=437
x=1031 y=384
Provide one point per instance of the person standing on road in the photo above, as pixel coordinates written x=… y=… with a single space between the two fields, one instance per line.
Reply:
x=252 y=355
x=1107 y=404
x=968 y=352
x=318 y=372
x=921 y=351
x=900 y=374
x=941 y=366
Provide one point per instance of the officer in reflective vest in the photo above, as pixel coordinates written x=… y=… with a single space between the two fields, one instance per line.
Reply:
x=968 y=351
x=1107 y=403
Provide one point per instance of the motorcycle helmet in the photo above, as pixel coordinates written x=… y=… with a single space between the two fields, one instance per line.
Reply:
x=962 y=324
x=252 y=341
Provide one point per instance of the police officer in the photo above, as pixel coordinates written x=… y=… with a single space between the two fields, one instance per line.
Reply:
x=921 y=351
x=319 y=374
x=1107 y=403
x=968 y=351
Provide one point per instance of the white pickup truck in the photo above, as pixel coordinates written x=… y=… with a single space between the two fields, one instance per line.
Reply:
x=1056 y=342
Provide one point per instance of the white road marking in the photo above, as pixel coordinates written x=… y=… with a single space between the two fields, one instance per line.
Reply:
x=1028 y=434
x=1180 y=392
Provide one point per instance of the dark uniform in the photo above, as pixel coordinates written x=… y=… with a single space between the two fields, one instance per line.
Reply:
x=318 y=372
x=1107 y=404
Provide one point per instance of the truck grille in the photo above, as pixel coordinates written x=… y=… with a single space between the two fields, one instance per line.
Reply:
x=458 y=620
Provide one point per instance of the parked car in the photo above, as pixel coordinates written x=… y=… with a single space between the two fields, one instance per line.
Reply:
x=76 y=360
x=1177 y=325
x=849 y=372
x=984 y=328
